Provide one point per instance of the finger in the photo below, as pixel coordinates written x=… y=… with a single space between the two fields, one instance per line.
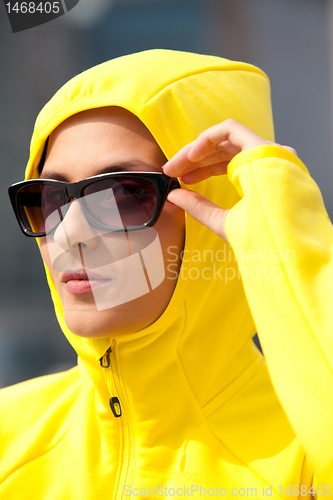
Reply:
x=178 y=163
x=221 y=136
x=201 y=209
x=209 y=141
x=203 y=173
x=292 y=150
x=227 y=138
x=228 y=147
x=212 y=149
x=177 y=167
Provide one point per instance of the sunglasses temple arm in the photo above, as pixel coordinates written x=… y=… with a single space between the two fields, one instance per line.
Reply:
x=174 y=184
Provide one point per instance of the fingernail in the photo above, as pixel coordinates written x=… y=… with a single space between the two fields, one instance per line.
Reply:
x=171 y=202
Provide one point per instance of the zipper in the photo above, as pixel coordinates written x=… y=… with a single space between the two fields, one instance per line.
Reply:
x=120 y=408
x=114 y=402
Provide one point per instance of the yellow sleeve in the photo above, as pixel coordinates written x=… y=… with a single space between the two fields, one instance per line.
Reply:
x=283 y=241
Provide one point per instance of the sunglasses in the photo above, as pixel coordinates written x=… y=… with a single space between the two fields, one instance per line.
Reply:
x=110 y=202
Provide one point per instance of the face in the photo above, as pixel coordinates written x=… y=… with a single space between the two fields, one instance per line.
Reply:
x=111 y=302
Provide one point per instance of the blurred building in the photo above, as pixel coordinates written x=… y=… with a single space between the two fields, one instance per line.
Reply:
x=290 y=41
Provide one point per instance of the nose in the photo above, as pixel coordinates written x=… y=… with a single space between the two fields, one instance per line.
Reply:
x=75 y=230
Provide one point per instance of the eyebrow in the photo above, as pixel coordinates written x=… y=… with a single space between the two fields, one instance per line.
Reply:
x=118 y=167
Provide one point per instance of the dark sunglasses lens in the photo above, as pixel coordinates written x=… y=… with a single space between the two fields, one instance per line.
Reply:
x=121 y=202
x=39 y=207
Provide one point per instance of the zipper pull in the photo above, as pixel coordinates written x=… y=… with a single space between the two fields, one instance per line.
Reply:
x=114 y=402
x=105 y=359
x=115 y=406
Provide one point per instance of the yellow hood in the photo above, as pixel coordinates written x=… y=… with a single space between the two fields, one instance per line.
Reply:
x=177 y=95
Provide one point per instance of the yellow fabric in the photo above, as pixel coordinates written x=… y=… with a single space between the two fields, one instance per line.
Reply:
x=199 y=407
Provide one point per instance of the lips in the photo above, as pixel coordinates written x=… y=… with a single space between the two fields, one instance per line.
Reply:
x=79 y=282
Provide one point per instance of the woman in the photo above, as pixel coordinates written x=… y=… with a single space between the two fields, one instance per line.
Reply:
x=170 y=396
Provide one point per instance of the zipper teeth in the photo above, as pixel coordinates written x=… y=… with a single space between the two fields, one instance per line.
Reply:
x=127 y=430
x=111 y=386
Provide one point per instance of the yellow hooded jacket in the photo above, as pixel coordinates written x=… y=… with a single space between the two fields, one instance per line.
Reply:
x=203 y=413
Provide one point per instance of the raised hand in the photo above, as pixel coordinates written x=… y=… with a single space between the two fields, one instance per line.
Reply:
x=207 y=156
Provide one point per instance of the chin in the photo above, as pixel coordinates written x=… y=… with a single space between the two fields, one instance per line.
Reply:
x=84 y=320
x=99 y=324
x=89 y=324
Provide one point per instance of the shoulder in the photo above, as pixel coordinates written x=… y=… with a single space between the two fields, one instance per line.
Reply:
x=42 y=391
x=36 y=413
x=28 y=401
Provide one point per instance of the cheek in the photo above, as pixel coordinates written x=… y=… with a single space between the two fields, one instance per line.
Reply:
x=171 y=231
x=43 y=247
x=50 y=251
x=45 y=254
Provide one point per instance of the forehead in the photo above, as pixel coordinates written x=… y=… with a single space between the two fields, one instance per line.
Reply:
x=103 y=118
x=97 y=139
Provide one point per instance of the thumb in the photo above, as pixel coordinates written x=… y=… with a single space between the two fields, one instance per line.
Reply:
x=201 y=209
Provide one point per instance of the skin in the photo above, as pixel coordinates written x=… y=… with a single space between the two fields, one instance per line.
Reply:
x=83 y=146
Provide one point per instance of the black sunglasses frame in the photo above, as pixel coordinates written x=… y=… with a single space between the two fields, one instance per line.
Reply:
x=73 y=190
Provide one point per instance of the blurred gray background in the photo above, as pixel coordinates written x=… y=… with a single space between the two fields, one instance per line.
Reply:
x=289 y=39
